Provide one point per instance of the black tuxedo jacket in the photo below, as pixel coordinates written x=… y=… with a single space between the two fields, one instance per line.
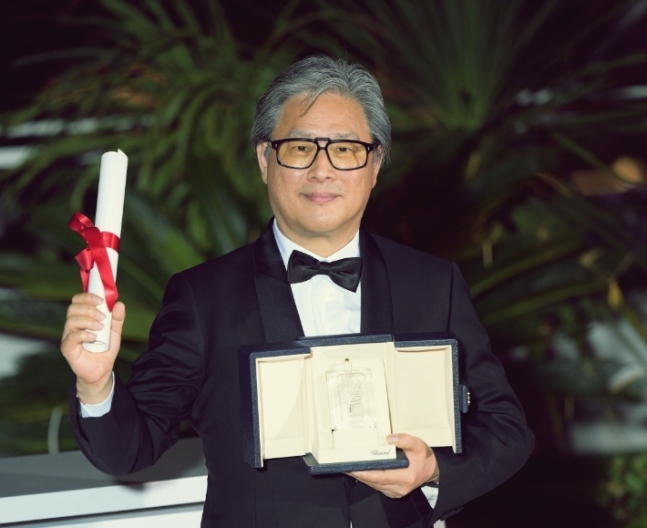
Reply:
x=190 y=370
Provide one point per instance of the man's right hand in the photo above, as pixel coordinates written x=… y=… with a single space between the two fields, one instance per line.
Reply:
x=93 y=369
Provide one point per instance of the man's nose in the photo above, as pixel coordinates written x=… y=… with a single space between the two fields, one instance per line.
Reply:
x=321 y=167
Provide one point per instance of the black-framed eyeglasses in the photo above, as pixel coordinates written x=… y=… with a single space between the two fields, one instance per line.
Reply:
x=343 y=154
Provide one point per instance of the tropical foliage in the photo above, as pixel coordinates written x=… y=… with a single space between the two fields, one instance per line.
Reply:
x=172 y=88
x=624 y=490
x=519 y=137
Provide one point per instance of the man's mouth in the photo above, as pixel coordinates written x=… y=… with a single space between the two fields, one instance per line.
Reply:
x=321 y=197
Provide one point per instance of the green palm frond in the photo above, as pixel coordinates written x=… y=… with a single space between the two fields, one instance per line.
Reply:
x=508 y=121
x=173 y=91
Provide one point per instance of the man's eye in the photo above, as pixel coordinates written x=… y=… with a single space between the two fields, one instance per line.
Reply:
x=343 y=149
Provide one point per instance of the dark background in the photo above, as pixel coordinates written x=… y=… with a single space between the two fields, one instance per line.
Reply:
x=555 y=489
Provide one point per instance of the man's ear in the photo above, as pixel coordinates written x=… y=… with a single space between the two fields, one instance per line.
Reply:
x=262 y=158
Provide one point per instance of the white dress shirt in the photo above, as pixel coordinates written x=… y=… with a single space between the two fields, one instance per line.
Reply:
x=324 y=309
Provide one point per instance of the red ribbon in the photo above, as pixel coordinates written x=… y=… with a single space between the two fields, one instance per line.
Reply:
x=96 y=253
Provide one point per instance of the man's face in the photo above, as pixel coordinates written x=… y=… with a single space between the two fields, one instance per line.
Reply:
x=319 y=207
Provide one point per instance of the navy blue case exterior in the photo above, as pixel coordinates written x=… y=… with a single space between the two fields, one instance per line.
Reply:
x=316 y=468
x=247 y=356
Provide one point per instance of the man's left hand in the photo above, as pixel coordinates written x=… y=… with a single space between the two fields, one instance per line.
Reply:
x=396 y=483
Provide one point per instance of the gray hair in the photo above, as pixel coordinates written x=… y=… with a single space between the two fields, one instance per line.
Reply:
x=317 y=75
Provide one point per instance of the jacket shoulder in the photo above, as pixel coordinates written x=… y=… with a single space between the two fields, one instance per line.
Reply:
x=421 y=287
x=226 y=268
x=401 y=258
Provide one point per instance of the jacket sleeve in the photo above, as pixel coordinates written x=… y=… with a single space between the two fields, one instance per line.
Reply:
x=496 y=439
x=145 y=415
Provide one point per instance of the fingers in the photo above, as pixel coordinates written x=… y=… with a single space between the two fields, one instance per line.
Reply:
x=119 y=312
x=84 y=314
x=72 y=340
x=407 y=442
x=387 y=477
x=84 y=306
x=396 y=483
x=392 y=482
x=118 y=317
x=87 y=298
x=84 y=317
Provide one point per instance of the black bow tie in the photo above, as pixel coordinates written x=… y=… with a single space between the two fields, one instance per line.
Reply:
x=344 y=272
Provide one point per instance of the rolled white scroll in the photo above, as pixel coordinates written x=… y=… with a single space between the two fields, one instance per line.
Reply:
x=110 y=211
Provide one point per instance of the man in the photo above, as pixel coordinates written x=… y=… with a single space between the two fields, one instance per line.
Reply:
x=321 y=133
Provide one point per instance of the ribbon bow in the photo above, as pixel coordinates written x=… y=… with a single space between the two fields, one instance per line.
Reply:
x=344 y=272
x=96 y=253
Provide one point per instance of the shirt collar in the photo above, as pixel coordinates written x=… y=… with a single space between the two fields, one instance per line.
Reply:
x=286 y=247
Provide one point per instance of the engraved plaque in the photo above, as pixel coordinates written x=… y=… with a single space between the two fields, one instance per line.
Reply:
x=350 y=393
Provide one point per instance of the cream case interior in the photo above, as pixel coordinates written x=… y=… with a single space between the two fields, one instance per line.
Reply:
x=340 y=402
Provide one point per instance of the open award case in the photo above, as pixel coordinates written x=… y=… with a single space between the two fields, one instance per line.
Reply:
x=334 y=400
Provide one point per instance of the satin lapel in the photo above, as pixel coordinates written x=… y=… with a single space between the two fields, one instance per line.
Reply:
x=278 y=311
x=377 y=307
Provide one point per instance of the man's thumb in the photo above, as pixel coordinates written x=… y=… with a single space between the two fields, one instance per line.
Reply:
x=401 y=440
